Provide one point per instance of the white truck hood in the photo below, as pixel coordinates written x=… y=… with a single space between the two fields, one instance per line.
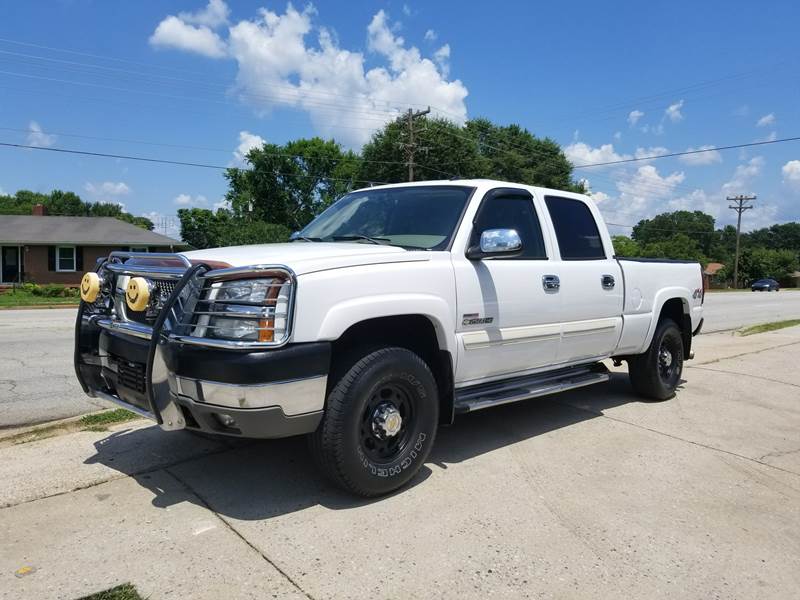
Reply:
x=308 y=257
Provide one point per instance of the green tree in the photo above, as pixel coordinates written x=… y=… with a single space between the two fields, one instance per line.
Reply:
x=443 y=150
x=679 y=246
x=625 y=246
x=757 y=263
x=512 y=153
x=695 y=225
x=202 y=228
x=292 y=183
x=479 y=149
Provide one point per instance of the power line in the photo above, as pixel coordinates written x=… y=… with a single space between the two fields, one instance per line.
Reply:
x=169 y=162
x=687 y=152
x=411 y=146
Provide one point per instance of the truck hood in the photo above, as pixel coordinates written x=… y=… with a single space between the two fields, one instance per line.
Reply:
x=308 y=257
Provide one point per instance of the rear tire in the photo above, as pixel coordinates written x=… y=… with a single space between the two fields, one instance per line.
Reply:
x=380 y=423
x=656 y=373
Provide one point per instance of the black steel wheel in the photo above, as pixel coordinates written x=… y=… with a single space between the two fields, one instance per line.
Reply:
x=379 y=424
x=657 y=373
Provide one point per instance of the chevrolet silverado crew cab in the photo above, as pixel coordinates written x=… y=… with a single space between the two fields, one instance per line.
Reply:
x=395 y=310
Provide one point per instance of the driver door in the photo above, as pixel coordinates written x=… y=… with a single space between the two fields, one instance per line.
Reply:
x=507 y=321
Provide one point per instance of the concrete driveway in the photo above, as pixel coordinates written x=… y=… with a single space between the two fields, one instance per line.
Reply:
x=590 y=494
x=37 y=381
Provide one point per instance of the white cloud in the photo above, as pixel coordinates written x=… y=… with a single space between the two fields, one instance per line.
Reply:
x=673 y=111
x=766 y=120
x=213 y=15
x=430 y=35
x=174 y=32
x=406 y=10
x=247 y=141
x=186 y=200
x=278 y=67
x=773 y=135
x=743 y=177
x=581 y=153
x=634 y=116
x=647 y=184
x=38 y=138
x=703 y=158
x=791 y=173
x=618 y=135
x=107 y=188
x=651 y=151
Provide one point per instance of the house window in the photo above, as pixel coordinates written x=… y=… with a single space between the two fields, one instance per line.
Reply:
x=139 y=249
x=65 y=259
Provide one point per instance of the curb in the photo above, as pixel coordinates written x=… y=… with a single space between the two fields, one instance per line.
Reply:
x=39 y=306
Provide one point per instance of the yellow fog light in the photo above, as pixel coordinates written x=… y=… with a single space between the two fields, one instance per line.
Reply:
x=137 y=295
x=90 y=287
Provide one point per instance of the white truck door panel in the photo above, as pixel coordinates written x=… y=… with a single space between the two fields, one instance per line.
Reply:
x=506 y=322
x=592 y=286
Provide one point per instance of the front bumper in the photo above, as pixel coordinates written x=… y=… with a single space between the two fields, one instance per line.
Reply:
x=253 y=393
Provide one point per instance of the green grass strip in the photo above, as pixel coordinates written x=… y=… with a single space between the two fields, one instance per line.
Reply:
x=764 y=327
x=109 y=417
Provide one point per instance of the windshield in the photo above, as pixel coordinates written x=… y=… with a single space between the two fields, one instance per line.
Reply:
x=423 y=217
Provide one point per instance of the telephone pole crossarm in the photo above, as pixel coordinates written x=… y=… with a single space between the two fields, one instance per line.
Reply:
x=411 y=145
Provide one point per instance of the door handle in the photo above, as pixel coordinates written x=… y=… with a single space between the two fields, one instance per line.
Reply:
x=607 y=281
x=551 y=283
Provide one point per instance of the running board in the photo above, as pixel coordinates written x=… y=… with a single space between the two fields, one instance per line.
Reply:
x=484 y=395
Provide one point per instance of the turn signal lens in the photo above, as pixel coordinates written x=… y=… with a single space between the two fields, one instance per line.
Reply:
x=90 y=287
x=266 y=335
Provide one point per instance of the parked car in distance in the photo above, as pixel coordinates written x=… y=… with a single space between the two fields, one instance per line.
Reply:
x=765 y=285
x=395 y=310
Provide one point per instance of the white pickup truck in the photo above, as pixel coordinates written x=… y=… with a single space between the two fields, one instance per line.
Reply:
x=396 y=309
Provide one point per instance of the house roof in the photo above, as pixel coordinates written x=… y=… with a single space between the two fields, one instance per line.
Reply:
x=86 y=231
x=712 y=268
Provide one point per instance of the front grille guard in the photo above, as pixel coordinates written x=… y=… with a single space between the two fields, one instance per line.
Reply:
x=172 y=324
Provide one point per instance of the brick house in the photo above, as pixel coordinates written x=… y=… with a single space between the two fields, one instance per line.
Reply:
x=43 y=249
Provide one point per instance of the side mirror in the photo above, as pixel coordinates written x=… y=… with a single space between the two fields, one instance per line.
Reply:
x=496 y=242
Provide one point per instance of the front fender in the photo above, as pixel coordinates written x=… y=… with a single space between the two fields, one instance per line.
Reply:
x=345 y=314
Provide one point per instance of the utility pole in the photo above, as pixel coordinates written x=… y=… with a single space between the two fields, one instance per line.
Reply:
x=740 y=204
x=411 y=145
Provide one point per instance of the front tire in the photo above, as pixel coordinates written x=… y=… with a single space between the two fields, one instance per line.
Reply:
x=656 y=373
x=380 y=423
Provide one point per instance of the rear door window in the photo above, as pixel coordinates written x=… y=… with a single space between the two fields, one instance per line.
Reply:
x=576 y=230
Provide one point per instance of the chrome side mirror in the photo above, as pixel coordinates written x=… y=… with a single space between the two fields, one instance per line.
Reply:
x=496 y=242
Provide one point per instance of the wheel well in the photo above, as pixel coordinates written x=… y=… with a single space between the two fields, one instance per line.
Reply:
x=413 y=332
x=677 y=310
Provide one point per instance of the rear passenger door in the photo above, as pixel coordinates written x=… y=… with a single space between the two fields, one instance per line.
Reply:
x=591 y=287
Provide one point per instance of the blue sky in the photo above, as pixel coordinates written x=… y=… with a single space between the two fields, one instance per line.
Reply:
x=200 y=81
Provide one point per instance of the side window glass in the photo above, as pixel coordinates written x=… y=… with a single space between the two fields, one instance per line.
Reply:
x=510 y=212
x=576 y=230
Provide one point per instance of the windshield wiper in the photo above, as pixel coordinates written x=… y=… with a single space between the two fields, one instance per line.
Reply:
x=350 y=238
x=305 y=238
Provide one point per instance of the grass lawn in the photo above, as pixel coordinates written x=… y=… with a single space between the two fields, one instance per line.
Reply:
x=764 y=327
x=19 y=297
x=122 y=592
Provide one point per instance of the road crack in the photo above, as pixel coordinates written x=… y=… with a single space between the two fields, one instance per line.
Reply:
x=236 y=532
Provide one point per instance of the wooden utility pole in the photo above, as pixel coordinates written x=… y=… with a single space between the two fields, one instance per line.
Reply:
x=411 y=145
x=740 y=204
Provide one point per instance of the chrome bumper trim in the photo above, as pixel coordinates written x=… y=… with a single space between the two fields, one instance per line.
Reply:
x=130 y=327
x=294 y=397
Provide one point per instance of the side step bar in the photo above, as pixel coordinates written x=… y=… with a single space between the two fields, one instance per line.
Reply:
x=484 y=395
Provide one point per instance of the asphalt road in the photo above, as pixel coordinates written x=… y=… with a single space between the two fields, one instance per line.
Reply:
x=37 y=382
x=582 y=495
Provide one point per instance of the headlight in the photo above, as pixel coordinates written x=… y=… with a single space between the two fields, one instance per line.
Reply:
x=254 y=310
